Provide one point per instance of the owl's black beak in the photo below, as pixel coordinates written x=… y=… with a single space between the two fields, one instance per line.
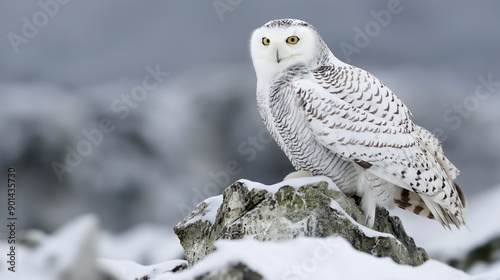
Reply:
x=278 y=59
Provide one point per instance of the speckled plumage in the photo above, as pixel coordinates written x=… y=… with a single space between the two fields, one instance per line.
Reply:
x=334 y=119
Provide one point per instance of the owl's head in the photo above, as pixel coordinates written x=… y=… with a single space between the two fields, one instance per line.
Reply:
x=282 y=43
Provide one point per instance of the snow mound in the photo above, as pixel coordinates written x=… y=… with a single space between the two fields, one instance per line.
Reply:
x=125 y=270
x=312 y=258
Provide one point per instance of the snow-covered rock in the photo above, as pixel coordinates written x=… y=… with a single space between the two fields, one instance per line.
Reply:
x=145 y=243
x=129 y=270
x=312 y=207
x=80 y=251
x=69 y=254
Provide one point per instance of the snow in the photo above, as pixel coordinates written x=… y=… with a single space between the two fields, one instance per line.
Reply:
x=485 y=272
x=312 y=258
x=127 y=270
x=71 y=252
x=295 y=183
x=144 y=243
x=210 y=212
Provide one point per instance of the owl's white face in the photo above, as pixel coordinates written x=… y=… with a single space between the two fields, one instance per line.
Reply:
x=274 y=49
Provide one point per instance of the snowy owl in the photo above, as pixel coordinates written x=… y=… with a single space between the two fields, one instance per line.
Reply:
x=331 y=118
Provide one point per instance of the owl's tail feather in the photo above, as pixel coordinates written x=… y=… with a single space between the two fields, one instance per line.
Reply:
x=412 y=202
x=446 y=216
x=426 y=207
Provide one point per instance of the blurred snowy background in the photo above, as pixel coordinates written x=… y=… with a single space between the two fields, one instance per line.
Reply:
x=66 y=68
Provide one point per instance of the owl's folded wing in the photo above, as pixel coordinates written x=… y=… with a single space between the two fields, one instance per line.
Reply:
x=387 y=149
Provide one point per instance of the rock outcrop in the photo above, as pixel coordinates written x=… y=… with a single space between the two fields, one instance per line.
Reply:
x=233 y=272
x=312 y=207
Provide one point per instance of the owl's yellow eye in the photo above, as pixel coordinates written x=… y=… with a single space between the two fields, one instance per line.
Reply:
x=265 y=41
x=292 y=40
